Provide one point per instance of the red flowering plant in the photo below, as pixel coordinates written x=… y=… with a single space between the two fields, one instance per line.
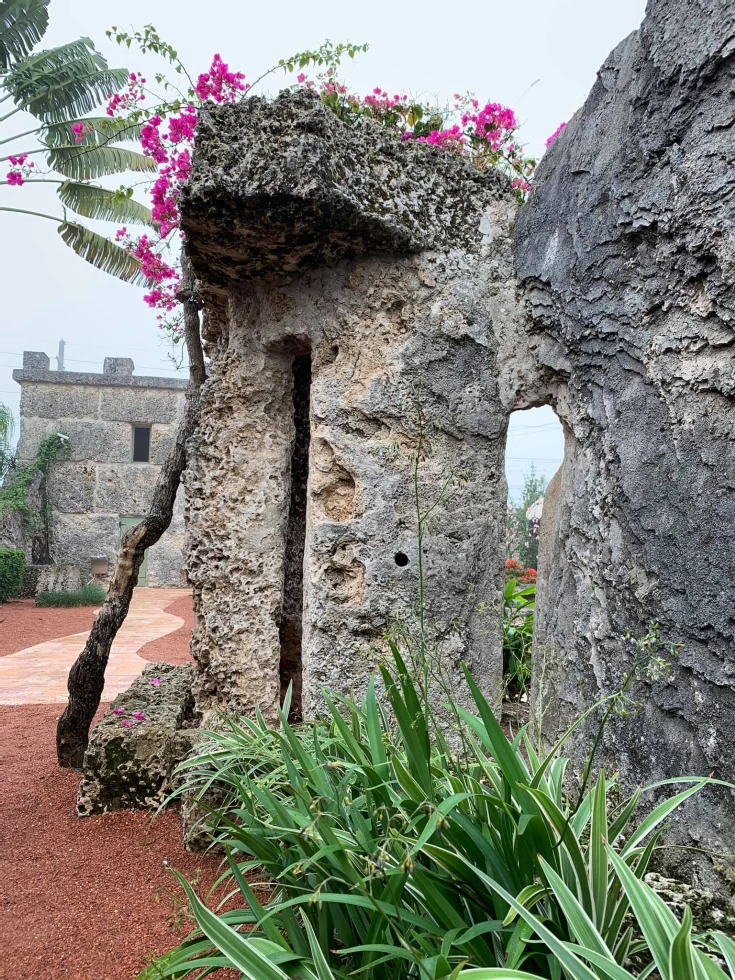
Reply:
x=485 y=134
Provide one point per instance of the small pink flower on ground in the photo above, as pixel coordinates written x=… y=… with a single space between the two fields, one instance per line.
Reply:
x=118 y=711
x=556 y=132
x=156 y=681
x=139 y=716
x=126 y=723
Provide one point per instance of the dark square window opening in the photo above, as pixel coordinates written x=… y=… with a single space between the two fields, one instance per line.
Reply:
x=141 y=444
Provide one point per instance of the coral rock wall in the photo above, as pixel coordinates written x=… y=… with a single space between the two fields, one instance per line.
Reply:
x=626 y=255
x=389 y=266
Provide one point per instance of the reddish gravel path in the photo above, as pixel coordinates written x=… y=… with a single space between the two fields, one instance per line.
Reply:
x=174 y=648
x=80 y=899
x=22 y=625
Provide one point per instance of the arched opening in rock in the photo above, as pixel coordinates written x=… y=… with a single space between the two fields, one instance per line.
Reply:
x=534 y=453
x=290 y=630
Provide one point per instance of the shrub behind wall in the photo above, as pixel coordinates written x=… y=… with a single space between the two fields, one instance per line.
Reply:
x=12 y=563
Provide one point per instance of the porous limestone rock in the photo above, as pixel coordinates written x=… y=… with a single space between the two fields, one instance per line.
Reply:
x=132 y=766
x=626 y=254
x=59 y=578
x=368 y=282
x=98 y=484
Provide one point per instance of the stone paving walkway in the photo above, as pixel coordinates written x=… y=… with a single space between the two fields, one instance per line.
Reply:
x=38 y=674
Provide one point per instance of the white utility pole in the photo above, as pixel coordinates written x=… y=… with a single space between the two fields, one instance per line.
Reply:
x=60 y=356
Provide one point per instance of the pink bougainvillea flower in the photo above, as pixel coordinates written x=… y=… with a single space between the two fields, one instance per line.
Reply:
x=556 y=132
x=126 y=723
x=118 y=711
x=219 y=83
x=139 y=716
x=156 y=681
x=15 y=178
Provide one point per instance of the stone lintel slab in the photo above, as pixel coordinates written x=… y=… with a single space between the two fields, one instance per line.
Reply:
x=284 y=186
x=97 y=380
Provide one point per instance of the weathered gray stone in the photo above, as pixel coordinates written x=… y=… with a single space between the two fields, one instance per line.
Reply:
x=34 y=360
x=79 y=537
x=75 y=378
x=289 y=209
x=132 y=766
x=59 y=578
x=13 y=533
x=143 y=407
x=72 y=486
x=29 y=588
x=99 y=483
x=124 y=489
x=325 y=193
x=118 y=365
x=166 y=562
x=626 y=255
x=57 y=402
x=162 y=441
x=109 y=442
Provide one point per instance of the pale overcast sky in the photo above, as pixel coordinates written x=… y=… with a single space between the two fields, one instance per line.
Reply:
x=496 y=49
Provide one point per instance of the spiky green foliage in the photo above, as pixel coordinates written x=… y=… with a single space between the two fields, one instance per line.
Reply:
x=22 y=25
x=101 y=252
x=89 y=595
x=63 y=83
x=104 y=205
x=385 y=854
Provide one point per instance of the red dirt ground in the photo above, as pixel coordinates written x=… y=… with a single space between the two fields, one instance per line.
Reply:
x=22 y=625
x=81 y=899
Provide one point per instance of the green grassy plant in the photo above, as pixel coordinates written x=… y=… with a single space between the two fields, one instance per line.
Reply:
x=387 y=855
x=89 y=595
x=518 y=611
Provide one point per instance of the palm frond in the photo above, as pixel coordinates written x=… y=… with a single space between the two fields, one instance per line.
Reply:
x=102 y=204
x=102 y=253
x=99 y=131
x=63 y=83
x=7 y=430
x=88 y=162
x=22 y=24
x=7 y=424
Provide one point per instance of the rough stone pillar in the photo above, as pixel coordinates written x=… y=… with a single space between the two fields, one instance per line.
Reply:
x=626 y=254
x=237 y=495
x=388 y=265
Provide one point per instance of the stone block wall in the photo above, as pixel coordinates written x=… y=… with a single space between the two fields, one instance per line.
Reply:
x=99 y=483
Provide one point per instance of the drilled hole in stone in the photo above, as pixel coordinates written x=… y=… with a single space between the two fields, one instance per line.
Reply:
x=400 y=559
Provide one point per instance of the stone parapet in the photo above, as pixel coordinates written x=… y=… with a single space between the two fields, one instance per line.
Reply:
x=22 y=375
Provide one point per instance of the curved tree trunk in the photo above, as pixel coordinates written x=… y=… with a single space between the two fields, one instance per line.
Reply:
x=87 y=675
